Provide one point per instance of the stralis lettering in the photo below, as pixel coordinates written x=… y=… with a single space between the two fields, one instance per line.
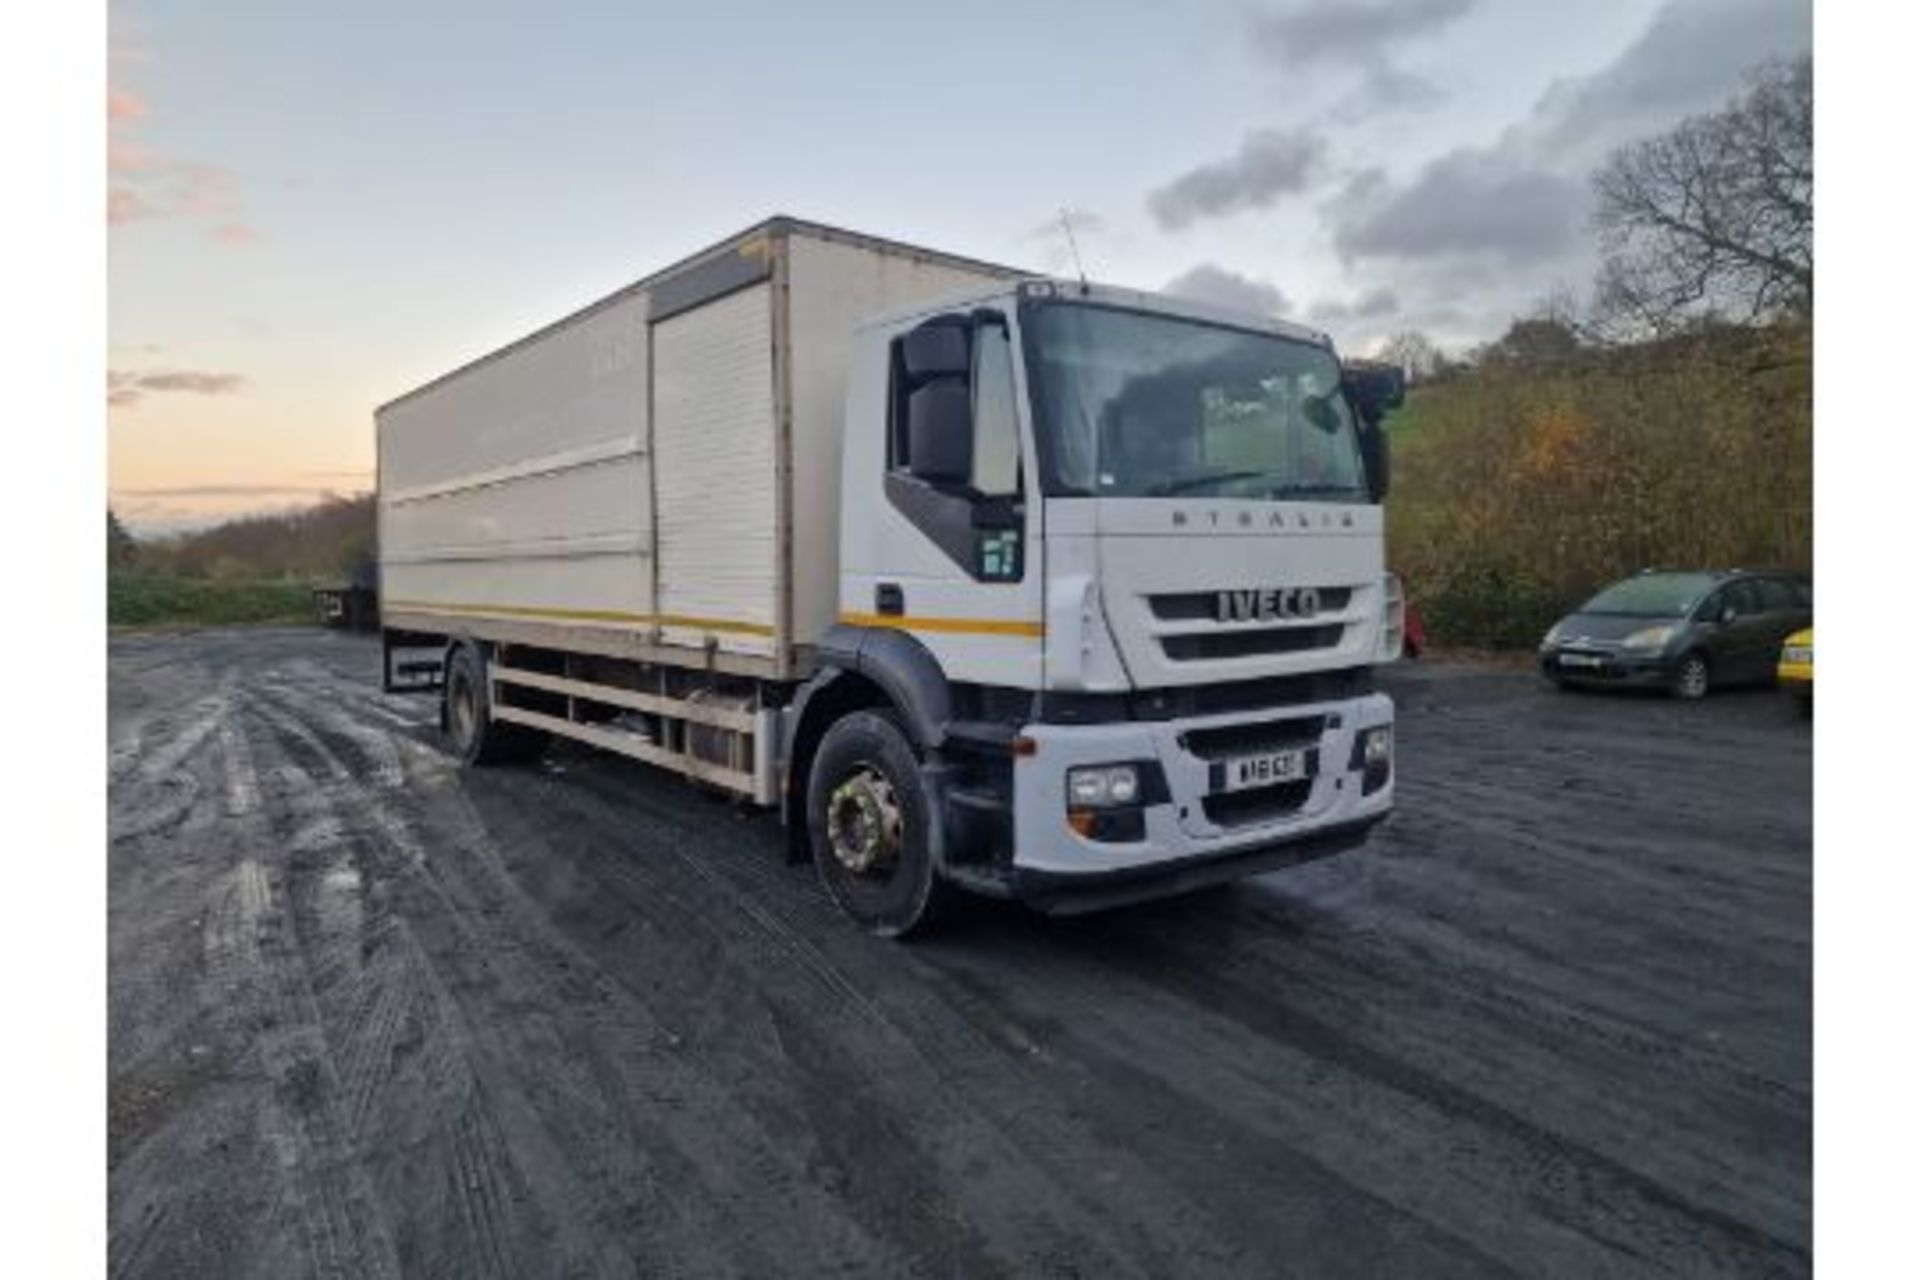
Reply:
x=1267 y=606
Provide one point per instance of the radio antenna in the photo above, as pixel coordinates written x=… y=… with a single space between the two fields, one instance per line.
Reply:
x=1073 y=247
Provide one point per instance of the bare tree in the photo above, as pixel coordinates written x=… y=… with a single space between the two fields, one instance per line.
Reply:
x=1716 y=216
x=1414 y=353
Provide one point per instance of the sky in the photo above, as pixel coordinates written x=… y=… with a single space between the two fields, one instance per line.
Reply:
x=313 y=208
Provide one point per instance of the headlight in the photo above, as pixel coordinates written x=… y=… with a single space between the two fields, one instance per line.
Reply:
x=1648 y=638
x=1553 y=635
x=1373 y=756
x=1102 y=786
x=1378 y=749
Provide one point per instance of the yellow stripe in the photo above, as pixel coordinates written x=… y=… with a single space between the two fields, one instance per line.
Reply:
x=588 y=615
x=950 y=626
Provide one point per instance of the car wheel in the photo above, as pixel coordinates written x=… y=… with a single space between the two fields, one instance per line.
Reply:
x=870 y=819
x=1692 y=679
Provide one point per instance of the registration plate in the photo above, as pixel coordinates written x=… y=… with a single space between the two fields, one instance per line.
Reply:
x=1265 y=769
x=1578 y=660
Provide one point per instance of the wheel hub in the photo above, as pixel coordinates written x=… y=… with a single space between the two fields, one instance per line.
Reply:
x=863 y=823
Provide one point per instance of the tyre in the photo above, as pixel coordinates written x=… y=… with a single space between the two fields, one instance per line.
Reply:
x=1692 y=678
x=477 y=738
x=870 y=819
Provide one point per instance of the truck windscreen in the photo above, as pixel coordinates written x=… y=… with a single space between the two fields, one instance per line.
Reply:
x=1134 y=404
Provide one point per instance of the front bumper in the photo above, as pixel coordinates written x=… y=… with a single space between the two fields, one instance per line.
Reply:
x=1606 y=667
x=1066 y=895
x=1198 y=834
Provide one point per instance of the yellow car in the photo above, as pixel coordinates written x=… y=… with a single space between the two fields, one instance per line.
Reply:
x=1795 y=671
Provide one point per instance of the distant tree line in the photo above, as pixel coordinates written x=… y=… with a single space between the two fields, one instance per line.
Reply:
x=328 y=540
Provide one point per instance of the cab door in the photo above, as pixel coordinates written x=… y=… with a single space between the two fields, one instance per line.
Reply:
x=951 y=544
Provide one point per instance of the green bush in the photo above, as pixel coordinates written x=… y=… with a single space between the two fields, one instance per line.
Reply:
x=149 y=599
x=1531 y=482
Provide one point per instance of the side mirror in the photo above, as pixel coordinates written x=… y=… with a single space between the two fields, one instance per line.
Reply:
x=1374 y=388
x=1727 y=614
x=937 y=349
x=1377 y=460
x=940 y=431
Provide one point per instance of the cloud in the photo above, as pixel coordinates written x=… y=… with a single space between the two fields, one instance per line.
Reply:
x=126 y=387
x=1468 y=202
x=1210 y=283
x=1270 y=163
x=1523 y=199
x=1341 y=35
x=143 y=183
x=122 y=105
x=1690 y=59
x=1344 y=31
x=1374 y=304
x=124 y=204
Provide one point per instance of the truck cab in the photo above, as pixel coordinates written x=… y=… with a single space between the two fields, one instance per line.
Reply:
x=1111 y=592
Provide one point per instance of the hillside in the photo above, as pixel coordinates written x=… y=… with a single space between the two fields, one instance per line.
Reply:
x=1548 y=468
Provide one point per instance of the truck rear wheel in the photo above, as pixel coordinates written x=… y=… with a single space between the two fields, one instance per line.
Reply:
x=870 y=820
x=479 y=739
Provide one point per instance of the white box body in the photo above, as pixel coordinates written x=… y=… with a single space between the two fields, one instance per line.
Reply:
x=657 y=475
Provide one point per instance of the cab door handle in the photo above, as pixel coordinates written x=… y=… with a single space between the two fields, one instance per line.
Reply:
x=889 y=600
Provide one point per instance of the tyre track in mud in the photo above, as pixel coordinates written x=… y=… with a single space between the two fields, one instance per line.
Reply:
x=370 y=1014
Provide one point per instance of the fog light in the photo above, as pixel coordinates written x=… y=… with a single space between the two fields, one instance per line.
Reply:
x=1102 y=786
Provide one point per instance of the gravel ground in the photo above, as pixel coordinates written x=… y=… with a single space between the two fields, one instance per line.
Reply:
x=374 y=1016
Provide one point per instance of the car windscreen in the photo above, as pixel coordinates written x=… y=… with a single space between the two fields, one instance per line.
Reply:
x=1652 y=595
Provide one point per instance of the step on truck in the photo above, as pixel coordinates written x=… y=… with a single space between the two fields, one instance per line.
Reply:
x=984 y=581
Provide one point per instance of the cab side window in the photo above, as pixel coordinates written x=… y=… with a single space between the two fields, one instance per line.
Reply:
x=964 y=493
x=996 y=423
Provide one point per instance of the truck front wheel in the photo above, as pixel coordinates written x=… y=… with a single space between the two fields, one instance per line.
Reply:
x=870 y=820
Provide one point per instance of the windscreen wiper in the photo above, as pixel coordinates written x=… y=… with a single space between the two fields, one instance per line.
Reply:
x=1185 y=483
x=1313 y=490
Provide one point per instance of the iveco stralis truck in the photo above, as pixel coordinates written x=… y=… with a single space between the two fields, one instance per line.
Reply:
x=984 y=581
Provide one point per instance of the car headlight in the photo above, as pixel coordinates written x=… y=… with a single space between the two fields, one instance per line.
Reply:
x=1648 y=638
x=1553 y=635
x=1102 y=786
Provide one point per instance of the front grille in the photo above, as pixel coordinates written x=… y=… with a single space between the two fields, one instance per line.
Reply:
x=1198 y=606
x=1246 y=808
x=1247 y=644
x=1231 y=740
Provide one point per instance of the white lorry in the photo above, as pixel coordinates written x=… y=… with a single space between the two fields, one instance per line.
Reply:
x=985 y=581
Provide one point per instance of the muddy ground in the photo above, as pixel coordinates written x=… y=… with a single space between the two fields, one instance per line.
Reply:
x=374 y=1016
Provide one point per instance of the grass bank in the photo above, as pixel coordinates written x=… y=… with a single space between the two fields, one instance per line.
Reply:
x=153 y=599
